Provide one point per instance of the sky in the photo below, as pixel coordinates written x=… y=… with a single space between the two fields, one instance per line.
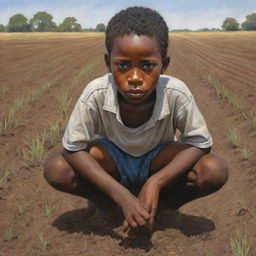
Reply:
x=178 y=14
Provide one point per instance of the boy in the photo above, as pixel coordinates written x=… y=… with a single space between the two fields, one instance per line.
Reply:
x=135 y=110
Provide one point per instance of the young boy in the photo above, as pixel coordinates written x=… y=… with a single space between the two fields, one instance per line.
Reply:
x=135 y=111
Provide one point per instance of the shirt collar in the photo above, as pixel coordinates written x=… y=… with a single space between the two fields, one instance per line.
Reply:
x=110 y=101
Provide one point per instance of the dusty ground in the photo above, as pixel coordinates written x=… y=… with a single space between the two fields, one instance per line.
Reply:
x=37 y=220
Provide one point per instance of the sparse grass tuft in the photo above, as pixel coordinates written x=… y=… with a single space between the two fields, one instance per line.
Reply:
x=3 y=90
x=245 y=153
x=44 y=242
x=9 y=232
x=22 y=207
x=9 y=122
x=64 y=102
x=48 y=208
x=4 y=180
x=53 y=133
x=251 y=116
x=240 y=246
x=19 y=104
x=224 y=93
x=34 y=152
x=233 y=137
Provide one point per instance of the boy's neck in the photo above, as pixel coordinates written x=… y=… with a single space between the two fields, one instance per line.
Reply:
x=134 y=115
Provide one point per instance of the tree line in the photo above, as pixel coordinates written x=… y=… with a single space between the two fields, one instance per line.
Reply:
x=231 y=24
x=43 y=22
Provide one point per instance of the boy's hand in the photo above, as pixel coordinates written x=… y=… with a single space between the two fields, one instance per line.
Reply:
x=135 y=214
x=149 y=196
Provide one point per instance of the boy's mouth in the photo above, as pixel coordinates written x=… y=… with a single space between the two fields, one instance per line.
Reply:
x=133 y=93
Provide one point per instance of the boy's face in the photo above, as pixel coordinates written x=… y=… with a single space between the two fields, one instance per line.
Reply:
x=136 y=64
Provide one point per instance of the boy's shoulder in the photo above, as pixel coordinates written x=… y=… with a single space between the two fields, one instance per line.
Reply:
x=97 y=87
x=174 y=87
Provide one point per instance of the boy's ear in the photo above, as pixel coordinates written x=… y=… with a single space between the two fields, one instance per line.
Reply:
x=166 y=63
x=107 y=61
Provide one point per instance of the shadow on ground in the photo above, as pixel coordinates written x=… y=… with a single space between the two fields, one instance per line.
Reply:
x=90 y=221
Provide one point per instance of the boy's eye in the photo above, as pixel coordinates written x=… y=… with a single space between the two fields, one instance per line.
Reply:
x=148 y=66
x=123 y=65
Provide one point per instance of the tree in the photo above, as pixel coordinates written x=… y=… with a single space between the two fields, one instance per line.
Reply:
x=18 y=23
x=69 y=24
x=42 y=22
x=230 y=24
x=101 y=27
x=2 y=28
x=250 y=23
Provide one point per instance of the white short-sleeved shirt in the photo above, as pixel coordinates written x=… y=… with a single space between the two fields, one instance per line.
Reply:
x=96 y=113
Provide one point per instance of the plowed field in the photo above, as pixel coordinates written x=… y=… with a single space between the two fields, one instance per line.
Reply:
x=41 y=77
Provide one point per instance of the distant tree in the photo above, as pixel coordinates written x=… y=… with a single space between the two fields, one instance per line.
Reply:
x=250 y=23
x=18 y=23
x=69 y=24
x=230 y=24
x=203 y=30
x=42 y=22
x=89 y=29
x=100 y=27
x=2 y=28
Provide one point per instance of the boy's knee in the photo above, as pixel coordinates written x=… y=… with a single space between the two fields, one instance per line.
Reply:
x=58 y=173
x=213 y=172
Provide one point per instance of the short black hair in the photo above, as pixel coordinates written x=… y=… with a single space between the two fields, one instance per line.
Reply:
x=140 y=21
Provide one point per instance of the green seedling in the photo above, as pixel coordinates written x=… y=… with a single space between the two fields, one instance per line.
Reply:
x=44 y=242
x=233 y=137
x=251 y=116
x=64 y=102
x=245 y=153
x=236 y=101
x=4 y=180
x=19 y=104
x=240 y=246
x=21 y=208
x=53 y=133
x=34 y=151
x=3 y=90
x=9 y=232
x=10 y=122
x=48 y=208
x=224 y=93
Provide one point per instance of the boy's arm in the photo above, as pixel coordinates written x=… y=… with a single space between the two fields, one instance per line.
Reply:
x=181 y=163
x=89 y=168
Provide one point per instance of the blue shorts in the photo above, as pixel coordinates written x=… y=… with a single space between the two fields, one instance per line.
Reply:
x=133 y=171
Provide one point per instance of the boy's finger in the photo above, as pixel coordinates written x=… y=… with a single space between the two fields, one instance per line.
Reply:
x=153 y=212
x=125 y=225
x=145 y=214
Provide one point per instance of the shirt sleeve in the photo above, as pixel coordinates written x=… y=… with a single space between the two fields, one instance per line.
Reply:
x=81 y=127
x=192 y=126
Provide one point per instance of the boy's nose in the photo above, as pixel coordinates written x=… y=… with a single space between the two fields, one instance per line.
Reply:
x=135 y=77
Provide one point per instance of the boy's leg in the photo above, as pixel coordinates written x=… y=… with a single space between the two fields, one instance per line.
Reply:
x=208 y=175
x=60 y=175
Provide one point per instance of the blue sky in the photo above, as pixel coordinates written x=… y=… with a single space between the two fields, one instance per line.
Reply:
x=179 y=14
